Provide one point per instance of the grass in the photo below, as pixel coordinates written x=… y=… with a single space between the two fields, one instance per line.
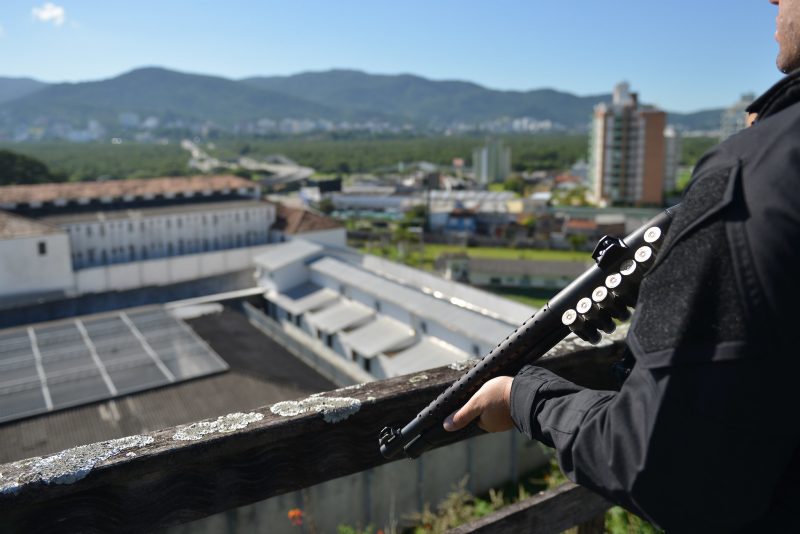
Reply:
x=425 y=260
x=430 y=253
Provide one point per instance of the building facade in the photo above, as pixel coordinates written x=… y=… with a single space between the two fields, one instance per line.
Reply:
x=734 y=118
x=491 y=162
x=119 y=235
x=627 y=151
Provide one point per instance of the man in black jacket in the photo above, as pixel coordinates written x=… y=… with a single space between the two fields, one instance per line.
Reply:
x=704 y=434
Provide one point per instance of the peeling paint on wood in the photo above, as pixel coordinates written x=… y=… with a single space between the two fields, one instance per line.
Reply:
x=223 y=424
x=333 y=409
x=462 y=365
x=67 y=466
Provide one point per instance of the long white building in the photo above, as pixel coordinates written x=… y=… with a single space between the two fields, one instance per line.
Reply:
x=386 y=318
x=79 y=238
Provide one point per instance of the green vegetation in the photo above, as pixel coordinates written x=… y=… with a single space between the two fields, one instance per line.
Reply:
x=433 y=251
x=76 y=162
x=347 y=155
x=17 y=169
x=693 y=148
x=461 y=506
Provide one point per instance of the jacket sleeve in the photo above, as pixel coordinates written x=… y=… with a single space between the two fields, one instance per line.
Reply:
x=664 y=446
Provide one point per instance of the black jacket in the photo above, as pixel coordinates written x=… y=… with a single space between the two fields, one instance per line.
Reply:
x=705 y=433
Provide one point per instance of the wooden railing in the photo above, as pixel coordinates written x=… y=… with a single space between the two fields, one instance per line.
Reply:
x=185 y=473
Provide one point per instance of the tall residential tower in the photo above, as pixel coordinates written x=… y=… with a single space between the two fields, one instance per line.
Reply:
x=627 y=151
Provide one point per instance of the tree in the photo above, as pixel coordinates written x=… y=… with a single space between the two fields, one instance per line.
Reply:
x=326 y=206
x=577 y=241
x=17 y=169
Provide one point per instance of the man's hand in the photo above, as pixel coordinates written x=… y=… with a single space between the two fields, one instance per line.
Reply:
x=492 y=403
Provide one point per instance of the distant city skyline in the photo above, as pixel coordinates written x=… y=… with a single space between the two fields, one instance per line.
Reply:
x=682 y=56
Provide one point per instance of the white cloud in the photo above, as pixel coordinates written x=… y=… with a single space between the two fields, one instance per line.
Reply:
x=50 y=12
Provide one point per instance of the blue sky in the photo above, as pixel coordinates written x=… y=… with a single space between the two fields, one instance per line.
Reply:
x=681 y=55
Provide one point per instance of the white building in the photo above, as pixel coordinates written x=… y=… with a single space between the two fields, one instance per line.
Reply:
x=491 y=163
x=121 y=236
x=34 y=257
x=115 y=236
x=734 y=118
x=387 y=318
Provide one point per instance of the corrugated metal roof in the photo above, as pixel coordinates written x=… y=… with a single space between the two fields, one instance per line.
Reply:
x=380 y=335
x=303 y=298
x=455 y=293
x=283 y=254
x=430 y=352
x=470 y=324
x=339 y=316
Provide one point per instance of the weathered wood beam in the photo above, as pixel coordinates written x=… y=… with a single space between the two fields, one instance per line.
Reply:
x=548 y=512
x=185 y=473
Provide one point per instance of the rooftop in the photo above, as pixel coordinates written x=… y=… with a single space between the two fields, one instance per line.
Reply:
x=293 y=220
x=141 y=213
x=261 y=372
x=150 y=187
x=471 y=323
x=14 y=226
x=283 y=254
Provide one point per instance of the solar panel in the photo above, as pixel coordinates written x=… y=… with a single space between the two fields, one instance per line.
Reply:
x=53 y=366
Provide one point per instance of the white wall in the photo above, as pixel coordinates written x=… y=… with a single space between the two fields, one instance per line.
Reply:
x=163 y=271
x=23 y=270
x=335 y=237
x=137 y=238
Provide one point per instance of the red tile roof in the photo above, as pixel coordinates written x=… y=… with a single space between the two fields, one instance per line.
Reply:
x=298 y=220
x=41 y=193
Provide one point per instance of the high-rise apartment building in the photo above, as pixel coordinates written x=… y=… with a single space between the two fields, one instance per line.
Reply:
x=672 y=157
x=627 y=151
x=491 y=162
x=734 y=118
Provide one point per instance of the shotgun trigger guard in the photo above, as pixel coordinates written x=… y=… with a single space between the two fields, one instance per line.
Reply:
x=609 y=250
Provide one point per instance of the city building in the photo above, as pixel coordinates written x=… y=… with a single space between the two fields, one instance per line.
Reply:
x=672 y=158
x=73 y=239
x=491 y=163
x=386 y=318
x=627 y=151
x=734 y=118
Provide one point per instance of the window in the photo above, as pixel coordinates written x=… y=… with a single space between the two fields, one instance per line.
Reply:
x=424 y=327
x=329 y=340
x=89 y=231
x=102 y=230
x=130 y=227
x=103 y=256
x=132 y=252
x=476 y=350
x=377 y=306
x=42 y=248
x=367 y=365
x=90 y=255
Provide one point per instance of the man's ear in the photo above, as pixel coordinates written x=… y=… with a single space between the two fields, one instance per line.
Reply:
x=751 y=118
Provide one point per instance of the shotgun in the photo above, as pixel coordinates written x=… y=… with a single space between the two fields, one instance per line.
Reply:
x=586 y=307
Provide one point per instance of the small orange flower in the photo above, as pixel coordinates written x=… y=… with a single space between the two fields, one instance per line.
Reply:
x=296 y=516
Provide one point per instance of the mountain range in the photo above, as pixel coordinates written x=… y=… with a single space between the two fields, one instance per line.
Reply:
x=337 y=95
